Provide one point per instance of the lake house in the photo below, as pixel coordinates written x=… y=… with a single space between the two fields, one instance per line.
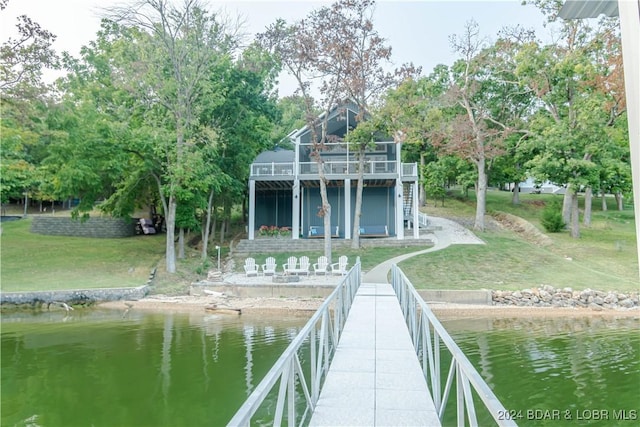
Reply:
x=284 y=186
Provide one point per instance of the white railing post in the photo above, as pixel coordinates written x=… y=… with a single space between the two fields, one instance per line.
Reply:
x=288 y=370
x=427 y=334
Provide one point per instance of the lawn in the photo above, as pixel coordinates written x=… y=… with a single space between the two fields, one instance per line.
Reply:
x=604 y=258
x=36 y=262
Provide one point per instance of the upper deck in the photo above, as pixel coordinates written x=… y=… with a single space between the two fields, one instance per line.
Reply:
x=373 y=169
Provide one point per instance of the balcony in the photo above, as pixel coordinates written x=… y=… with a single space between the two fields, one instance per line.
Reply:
x=309 y=170
x=272 y=170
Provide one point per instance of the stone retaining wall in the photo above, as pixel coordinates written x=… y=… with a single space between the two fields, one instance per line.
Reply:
x=548 y=296
x=73 y=296
x=76 y=296
x=92 y=227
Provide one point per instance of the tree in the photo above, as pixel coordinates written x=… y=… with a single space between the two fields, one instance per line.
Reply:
x=337 y=46
x=414 y=109
x=22 y=58
x=23 y=102
x=174 y=50
x=299 y=51
x=489 y=103
x=570 y=129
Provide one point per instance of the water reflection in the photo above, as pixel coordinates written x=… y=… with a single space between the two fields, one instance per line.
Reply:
x=96 y=367
x=565 y=364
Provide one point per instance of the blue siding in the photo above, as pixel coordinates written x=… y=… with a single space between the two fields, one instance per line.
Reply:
x=377 y=207
x=273 y=208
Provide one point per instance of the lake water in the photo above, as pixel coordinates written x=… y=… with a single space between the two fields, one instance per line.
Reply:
x=98 y=368
x=582 y=371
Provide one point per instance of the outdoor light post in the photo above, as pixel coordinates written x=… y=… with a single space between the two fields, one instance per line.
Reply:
x=218 y=249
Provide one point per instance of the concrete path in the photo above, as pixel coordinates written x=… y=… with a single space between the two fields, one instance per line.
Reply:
x=446 y=233
x=375 y=378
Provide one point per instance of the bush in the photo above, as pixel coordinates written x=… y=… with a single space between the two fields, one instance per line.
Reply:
x=552 y=220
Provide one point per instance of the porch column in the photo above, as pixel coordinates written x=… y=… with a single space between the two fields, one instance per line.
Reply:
x=295 y=207
x=630 y=34
x=399 y=210
x=252 y=209
x=347 y=209
x=414 y=208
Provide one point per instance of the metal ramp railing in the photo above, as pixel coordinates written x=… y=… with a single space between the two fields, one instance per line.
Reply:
x=300 y=382
x=430 y=339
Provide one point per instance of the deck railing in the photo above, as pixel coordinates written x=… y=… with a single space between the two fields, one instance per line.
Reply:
x=286 y=170
x=272 y=169
x=374 y=167
x=423 y=220
x=319 y=337
x=430 y=339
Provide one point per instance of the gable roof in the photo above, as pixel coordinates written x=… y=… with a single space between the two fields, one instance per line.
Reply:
x=342 y=117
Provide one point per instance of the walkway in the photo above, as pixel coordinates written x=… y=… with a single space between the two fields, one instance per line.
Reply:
x=446 y=233
x=375 y=378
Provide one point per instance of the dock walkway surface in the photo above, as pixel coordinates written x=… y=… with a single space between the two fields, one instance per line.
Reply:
x=375 y=378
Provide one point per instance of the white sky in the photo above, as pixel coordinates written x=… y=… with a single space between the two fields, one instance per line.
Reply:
x=418 y=31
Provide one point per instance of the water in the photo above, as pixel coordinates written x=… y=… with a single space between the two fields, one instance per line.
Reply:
x=558 y=371
x=98 y=368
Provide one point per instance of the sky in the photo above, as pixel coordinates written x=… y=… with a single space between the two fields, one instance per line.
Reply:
x=417 y=31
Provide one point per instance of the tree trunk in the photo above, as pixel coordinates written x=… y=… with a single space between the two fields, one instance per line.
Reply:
x=481 y=195
x=566 y=205
x=227 y=218
x=170 y=249
x=619 y=201
x=181 y=243
x=604 y=201
x=355 y=235
x=515 y=197
x=326 y=212
x=222 y=228
x=575 y=216
x=588 y=200
x=206 y=228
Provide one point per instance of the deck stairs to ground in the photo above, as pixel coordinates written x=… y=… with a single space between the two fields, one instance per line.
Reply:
x=407 y=199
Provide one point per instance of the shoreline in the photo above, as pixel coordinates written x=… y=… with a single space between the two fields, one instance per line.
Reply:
x=258 y=305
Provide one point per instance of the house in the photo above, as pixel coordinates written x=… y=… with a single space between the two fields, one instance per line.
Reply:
x=533 y=186
x=284 y=186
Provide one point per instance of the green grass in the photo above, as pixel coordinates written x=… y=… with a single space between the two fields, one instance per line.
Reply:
x=36 y=262
x=604 y=258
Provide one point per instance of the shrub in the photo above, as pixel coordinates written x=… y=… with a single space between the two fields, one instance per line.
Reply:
x=552 y=220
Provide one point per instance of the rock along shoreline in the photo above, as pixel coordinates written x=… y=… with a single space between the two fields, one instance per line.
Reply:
x=548 y=296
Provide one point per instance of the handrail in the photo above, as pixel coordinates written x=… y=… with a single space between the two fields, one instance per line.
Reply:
x=320 y=337
x=427 y=334
x=423 y=220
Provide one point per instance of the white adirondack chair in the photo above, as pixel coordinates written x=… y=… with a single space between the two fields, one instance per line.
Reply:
x=321 y=266
x=269 y=266
x=290 y=266
x=250 y=267
x=304 y=265
x=340 y=267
